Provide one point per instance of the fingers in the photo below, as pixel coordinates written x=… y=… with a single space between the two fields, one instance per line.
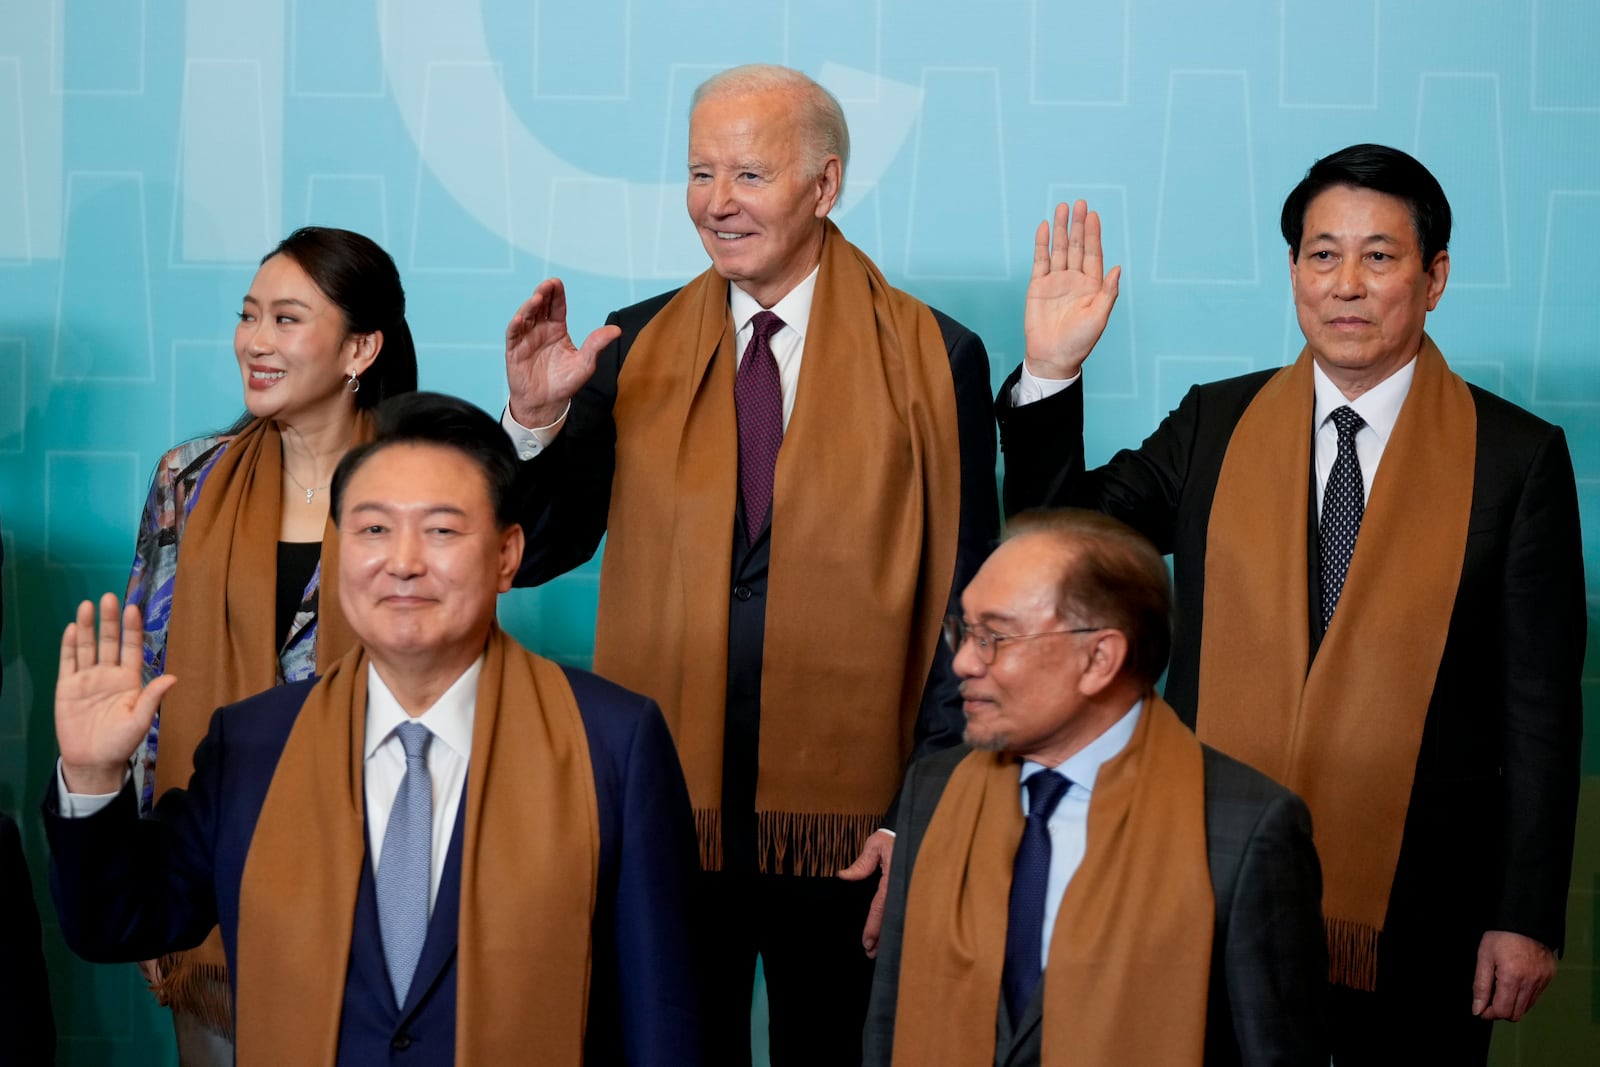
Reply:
x=132 y=635
x=110 y=629
x=1482 y=980
x=81 y=634
x=541 y=305
x=1041 y=251
x=873 y=930
x=150 y=697
x=1058 y=248
x=598 y=340
x=1080 y=211
x=1094 y=260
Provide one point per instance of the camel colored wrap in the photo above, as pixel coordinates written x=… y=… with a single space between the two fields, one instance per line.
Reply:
x=1342 y=730
x=529 y=871
x=1130 y=958
x=221 y=646
x=865 y=515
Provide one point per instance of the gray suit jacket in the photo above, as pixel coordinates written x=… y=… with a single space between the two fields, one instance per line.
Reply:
x=1268 y=957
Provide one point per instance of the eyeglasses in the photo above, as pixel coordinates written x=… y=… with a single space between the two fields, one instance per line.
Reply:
x=957 y=631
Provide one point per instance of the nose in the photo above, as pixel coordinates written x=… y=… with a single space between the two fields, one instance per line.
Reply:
x=255 y=336
x=966 y=663
x=1349 y=282
x=405 y=554
x=722 y=199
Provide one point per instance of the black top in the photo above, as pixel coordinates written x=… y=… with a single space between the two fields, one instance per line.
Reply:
x=297 y=561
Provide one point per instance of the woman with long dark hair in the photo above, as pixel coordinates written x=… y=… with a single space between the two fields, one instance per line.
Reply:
x=236 y=562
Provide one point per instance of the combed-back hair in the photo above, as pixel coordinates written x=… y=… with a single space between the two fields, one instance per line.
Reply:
x=818 y=111
x=1381 y=169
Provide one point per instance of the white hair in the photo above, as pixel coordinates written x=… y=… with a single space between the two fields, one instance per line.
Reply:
x=821 y=118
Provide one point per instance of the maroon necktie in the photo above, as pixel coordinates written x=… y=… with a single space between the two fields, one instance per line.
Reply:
x=758 y=397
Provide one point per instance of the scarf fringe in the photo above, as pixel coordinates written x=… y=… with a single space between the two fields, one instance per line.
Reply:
x=1352 y=953
x=708 y=828
x=811 y=843
x=198 y=989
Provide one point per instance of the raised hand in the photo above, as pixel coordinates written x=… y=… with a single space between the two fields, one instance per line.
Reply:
x=1070 y=296
x=544 y=369
x=102 y=711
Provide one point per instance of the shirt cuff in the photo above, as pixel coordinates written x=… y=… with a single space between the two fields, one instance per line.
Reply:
x=1028 y=388
x=530 y=441
x=82 y=805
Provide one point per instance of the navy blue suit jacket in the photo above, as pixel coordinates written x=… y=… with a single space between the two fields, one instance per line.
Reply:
x=131 y=889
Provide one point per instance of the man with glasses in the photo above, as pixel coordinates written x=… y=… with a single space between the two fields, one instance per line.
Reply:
x=1138 y=897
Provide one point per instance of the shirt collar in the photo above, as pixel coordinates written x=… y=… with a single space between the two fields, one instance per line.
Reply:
x=1083 y=766
x=794 y=309
x=1379 y=407
x=450 y=719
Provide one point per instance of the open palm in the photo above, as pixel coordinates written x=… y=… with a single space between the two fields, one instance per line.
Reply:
x=103 y=711
x=1070 y=296
x=544 y=369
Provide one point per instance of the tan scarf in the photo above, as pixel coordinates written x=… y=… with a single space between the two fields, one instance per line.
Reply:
x=531 y=851
x=1342 y=730
x=1130 y=958
x=865 y=512
x=221 y=647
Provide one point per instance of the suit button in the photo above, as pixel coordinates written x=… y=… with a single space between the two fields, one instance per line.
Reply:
x=401 y=1042
x=741 y=592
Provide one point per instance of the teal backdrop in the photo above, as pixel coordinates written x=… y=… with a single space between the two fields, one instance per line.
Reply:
x=152 y=150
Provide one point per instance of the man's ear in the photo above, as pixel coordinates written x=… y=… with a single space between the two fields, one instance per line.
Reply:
x=511 y=543
x=1107 y=652
x=829 y=183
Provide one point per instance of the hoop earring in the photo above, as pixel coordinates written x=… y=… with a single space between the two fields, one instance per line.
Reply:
x=353 y=383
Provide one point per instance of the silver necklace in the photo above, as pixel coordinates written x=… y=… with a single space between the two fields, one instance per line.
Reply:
x=309 y=492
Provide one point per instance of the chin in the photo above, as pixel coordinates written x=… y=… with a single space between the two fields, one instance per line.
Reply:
x=985 y=741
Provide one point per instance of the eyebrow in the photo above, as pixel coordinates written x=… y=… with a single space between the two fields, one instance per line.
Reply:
x=386 y=508
x=1325 y=236
x=281 y=302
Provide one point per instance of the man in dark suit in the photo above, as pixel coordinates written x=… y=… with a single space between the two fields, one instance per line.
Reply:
x=443 y=850
x=731 y=566
x=25 y=1015
x=1432 y=720
x=1162 y=904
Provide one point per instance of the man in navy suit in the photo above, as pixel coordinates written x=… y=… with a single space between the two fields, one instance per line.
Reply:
x=1423 y=693
x=426 y=545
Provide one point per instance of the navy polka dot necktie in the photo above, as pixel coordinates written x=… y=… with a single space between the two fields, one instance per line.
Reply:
x=1030 y=878
x=1343 y=504
x=758 y=402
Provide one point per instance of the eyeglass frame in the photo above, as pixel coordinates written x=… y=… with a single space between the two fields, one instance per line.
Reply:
x=956 y=631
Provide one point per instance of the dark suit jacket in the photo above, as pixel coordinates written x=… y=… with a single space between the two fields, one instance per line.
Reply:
x=127 y=889
x=27 y=1027
x=1488 y=837
x=565 y=495
x=1268 y=956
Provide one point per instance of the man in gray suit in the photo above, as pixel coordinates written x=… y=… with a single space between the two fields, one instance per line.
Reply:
x=1139 y=898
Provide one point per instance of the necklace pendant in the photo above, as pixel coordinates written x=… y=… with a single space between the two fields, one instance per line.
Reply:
x=308 y=495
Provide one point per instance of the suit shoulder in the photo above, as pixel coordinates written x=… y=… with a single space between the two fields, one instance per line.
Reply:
x=634 y=317
x=271 y=711
x=934 y=770
x=1508 y=423
x=953 y=332
x=1238 y=389
x=1228 y=779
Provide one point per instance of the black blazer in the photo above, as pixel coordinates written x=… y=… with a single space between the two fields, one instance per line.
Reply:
x=1268 y=954
x=26 y=1021
x=1489 y=833
x=565 y=498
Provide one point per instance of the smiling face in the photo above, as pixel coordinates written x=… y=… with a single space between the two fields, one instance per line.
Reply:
x=1361 y=288
x=293 y=347
x=1034 y=700
x=755 y=199
x=421 y=560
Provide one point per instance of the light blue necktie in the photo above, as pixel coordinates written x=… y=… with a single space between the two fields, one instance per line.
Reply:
x=406 y=863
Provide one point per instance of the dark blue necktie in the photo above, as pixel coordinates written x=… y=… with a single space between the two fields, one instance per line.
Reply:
x=406 y=863
x=1030 y=876
x=1344 y=502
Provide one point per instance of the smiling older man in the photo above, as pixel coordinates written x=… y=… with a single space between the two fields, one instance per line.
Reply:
x=793 y=464
x=445 y=850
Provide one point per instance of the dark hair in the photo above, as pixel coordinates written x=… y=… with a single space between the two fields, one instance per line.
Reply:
x=1381 y=169
x=361 y=279
x=446 y=422
x=1114 y=577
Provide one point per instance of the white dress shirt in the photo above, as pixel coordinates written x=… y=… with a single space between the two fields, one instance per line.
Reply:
x=788 y=345
x=1379 y=407
x=1069 y=823
x=450 y=720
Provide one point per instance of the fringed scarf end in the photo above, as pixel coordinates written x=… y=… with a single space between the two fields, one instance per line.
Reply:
x=198 y=989
x=708 y=828
x=1352 y=953
x=811 y=843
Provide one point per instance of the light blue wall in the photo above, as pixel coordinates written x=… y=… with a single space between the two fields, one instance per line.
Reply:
x=151 y=151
